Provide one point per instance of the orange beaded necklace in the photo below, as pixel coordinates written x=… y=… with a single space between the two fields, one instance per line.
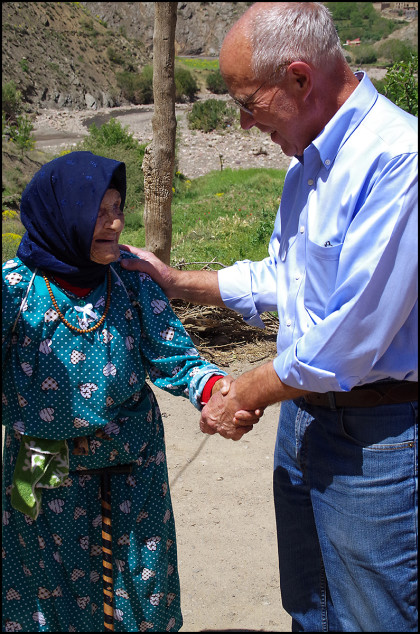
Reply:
x=64 y=320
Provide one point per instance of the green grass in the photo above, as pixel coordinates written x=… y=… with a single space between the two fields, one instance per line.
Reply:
x=222 y=217
x=195 y=63
x=199 y=67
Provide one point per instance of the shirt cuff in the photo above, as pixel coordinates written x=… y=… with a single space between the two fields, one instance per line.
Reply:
x=235 y=290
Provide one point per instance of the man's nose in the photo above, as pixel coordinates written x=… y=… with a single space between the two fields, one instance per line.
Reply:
x=247 y=121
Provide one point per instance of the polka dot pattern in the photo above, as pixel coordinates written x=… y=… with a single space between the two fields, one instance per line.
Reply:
x=62 y=385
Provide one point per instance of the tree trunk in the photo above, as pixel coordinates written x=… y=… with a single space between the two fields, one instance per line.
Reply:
x=159 y=157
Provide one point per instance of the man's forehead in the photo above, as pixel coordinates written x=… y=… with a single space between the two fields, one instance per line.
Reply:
x=235 y=58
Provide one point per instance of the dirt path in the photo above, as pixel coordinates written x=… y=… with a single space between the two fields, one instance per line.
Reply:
x=198 y=152
x=223 y=506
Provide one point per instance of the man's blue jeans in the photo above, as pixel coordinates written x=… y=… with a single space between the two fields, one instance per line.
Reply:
x=345 y=492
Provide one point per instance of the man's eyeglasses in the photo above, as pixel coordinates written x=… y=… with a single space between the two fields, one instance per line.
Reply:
x=243 y=104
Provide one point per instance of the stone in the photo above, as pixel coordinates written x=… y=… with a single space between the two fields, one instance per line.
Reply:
x=90 y=101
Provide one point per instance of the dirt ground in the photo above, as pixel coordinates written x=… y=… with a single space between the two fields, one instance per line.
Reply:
x=223 y=506
x=222 y=494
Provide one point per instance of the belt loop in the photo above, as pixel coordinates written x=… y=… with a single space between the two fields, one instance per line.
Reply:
x=331 y=400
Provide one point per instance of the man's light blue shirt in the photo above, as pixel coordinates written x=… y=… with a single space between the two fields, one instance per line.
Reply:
x=342 y=264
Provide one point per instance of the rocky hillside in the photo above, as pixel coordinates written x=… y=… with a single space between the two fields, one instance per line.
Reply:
x=200 y=29
x=67 y=54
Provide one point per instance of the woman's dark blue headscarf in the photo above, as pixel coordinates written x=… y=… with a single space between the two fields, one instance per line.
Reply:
x=59 y=209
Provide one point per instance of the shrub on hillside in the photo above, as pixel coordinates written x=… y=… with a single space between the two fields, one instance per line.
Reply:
x=114 y=56
x=365 y=55
x=394 y=50
x=215 y=83
x=211 y=115
x=401 y=85
x=11 y=101
x=137 y=88
x=185 y=85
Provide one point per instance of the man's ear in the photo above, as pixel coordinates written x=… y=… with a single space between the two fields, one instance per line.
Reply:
x=300 y=76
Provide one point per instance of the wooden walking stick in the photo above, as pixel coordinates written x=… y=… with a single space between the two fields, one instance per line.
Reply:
x=108 y=588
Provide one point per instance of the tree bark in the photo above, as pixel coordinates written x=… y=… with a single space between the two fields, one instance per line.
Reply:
x=159 y=157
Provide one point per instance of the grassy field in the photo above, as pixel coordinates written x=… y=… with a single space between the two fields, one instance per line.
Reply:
x=200 y=67
x=222 y=216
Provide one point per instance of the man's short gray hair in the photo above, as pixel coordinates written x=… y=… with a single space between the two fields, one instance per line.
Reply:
x=294 y=31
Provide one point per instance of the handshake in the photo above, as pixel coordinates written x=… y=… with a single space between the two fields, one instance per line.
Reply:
x=223 y=415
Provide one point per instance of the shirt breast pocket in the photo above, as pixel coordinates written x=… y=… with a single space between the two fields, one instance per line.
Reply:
x=321 y=274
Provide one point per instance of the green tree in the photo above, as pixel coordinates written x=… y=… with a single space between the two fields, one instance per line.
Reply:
x=11 y=101
x=401 y=85
x=21 y=133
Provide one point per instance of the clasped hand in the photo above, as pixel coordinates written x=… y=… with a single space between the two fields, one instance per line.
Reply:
x=223 y=415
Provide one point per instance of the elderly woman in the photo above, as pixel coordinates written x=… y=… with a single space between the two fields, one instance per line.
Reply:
x=80 y=336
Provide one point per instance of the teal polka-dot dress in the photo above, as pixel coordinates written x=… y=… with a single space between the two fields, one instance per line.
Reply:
x=60 y=384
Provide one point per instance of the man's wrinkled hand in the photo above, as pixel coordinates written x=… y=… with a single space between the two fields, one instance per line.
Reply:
x=242 y=417
x=149 y=263
x=218 y=417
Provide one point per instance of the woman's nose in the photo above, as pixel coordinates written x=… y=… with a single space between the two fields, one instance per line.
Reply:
x=114 y=221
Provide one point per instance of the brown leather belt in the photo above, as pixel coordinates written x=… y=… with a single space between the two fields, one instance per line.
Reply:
x=369 y=395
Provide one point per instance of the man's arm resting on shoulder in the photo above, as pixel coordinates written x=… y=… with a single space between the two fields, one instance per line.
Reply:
x=198 y=287
x=252 y=390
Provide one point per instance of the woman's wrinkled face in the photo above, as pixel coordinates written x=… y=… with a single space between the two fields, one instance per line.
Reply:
x=109 y=224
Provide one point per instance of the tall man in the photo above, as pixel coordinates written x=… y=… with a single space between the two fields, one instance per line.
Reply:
x=342 y=274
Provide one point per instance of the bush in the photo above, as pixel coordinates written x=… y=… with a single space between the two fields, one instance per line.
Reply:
x=401 y=85
x=111 y=134
x=185 y=85
x=144 y=91
x=137 y=88
x=395 y=51
x=10 y=244
x=216 y=84
x=365 y=55
x=11 y=101
x=114 y=57
x=21 y=133
x=211 y=115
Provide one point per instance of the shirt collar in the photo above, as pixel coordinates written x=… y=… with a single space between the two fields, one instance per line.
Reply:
x=345 y=121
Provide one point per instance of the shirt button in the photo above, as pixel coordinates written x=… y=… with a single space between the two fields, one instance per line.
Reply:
x=297 y=276
x=310 y=181
x=327 y=161
x=288 y=323
x=302 y=229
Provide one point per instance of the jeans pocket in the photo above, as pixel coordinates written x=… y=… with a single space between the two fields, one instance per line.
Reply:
x=386 y=427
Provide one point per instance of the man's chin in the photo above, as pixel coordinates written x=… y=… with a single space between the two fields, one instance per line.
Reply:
x=278 y=141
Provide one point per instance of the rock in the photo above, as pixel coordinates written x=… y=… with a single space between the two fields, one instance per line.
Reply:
x=107 y=100
x=90 y=101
